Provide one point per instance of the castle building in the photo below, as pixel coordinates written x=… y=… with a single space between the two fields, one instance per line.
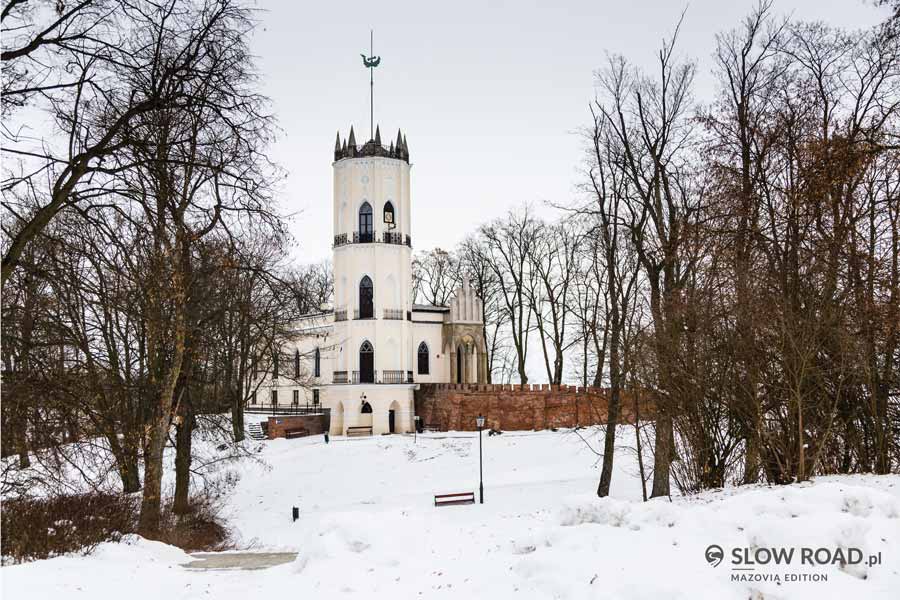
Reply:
x=364 y=357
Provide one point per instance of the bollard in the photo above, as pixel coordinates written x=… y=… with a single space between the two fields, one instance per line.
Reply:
x=295 y=512
x=326 y=437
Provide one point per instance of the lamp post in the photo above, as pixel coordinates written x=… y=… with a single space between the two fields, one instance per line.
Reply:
x=479 y=420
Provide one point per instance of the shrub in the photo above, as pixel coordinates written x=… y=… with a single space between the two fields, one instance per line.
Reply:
x=35 y=528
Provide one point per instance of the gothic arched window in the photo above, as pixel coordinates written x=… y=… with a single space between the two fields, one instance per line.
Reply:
x=366 y=408
x=366 y=298
x=365 y=222
x=317 y=364
x=389 y=216
x=423 y=359
x=366 y=363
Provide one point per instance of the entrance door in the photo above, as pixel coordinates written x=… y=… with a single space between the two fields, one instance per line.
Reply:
x=366 y=363
x=459 y=364
x=391 y=421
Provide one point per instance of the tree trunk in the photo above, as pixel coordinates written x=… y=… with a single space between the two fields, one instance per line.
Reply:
x=184 y=428
x=662 y=457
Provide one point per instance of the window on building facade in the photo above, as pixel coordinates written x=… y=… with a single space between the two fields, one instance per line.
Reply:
x=366 y=408
x=317 y=364
x=365 y=223
x=423 y=359
x=366 y=298
x=296 y=397
x=389 y=214
x=366 y=363
x=315 y=397
x=275 y=365
x=296 y=364
x=274 y=396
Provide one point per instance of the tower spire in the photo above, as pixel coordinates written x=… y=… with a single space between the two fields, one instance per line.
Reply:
x=370 y=62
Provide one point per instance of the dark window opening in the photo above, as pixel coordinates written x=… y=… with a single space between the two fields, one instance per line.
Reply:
x=366 y=298
x=389 y=218
x=275 y=365
x=423 y=359
x=365 y=223
x=366 y=363
x=366 y=408
x=296 y=364
x=274 y=396
x=317 y=366
x=296 y=397
x=315 y=397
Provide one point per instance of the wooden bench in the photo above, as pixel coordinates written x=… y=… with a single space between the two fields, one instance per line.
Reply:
x=295 y=433
x=359 y=431
x=450 y=499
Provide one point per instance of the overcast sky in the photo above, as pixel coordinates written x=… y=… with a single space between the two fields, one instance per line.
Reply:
x=489 y=94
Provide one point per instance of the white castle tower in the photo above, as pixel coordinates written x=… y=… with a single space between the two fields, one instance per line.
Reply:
x=372 y=282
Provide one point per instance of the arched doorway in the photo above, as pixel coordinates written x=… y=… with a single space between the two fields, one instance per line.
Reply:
x=366 y=298
x=393 y=415
x=365 y=414
x=366 y=363
x=365 y=223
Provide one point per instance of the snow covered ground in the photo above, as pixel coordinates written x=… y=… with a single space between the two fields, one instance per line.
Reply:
x=368 y=529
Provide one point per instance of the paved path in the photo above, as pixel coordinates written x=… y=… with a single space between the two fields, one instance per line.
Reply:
x=239 y=560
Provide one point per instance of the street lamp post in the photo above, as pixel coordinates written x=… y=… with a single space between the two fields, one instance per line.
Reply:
x=479 y=420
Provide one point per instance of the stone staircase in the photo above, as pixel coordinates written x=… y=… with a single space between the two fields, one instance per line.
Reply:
x=254 y=430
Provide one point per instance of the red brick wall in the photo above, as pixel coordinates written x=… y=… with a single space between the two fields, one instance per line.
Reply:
x=313 y=424
x=513 y=407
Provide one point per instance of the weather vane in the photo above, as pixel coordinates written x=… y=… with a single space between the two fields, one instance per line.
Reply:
x=370 y=62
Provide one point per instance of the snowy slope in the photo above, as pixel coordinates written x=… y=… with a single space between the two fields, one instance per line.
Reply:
x=368 y=529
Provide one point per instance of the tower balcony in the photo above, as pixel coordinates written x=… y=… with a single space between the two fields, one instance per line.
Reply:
x=388 y=377
x=367 y=237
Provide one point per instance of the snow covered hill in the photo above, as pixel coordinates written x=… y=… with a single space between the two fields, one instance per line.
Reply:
x=368 y=529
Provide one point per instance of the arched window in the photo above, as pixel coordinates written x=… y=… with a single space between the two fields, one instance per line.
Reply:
x=366 y=296
x=366 y=363
x=389 y=218
x=366 y=408
x=423 y=359
x=317 y=364
x=365 y=223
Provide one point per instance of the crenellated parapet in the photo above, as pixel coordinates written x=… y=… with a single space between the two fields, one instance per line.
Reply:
x=349 y=149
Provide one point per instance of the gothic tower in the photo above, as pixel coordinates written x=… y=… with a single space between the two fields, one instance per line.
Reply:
x=372 y=256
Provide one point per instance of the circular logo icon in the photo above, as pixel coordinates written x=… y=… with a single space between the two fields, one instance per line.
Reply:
x=714 y=555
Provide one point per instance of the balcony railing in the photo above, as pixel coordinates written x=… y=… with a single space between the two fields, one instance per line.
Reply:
x=393 y=314
x=370 y=237
x=387 y=376
x=357 y=377
x=392 y=237
x=357 y=315
x=340 y=314
x=396 y=377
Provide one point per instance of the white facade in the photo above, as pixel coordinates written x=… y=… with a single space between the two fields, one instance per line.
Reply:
x=364 y=358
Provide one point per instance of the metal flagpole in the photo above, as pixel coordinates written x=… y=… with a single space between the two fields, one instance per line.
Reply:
x=370 y=62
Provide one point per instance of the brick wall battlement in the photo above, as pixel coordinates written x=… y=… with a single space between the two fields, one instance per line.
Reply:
x=510 y=407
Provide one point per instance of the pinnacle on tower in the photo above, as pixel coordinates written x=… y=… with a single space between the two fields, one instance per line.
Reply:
x=391 y=151
x=405 y=150
x=399 y=144
x=337 y=147
x=351 y=143
x=377 y=135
